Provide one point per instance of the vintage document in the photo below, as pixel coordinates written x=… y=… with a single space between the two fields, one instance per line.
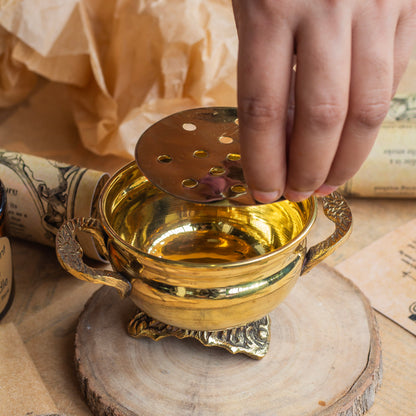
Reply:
x=43 y=193
x=386 y=272
x=390 y=170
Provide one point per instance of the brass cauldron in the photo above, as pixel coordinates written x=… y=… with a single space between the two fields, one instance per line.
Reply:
x=199 y=268
x=196 y=266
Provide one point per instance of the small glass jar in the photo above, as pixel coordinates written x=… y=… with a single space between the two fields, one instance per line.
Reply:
x=6 y=268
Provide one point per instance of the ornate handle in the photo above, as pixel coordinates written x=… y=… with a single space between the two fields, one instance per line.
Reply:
x=336 y=209
x=69 y=254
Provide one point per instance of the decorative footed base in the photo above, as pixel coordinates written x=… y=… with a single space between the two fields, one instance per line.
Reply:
x=252 y=339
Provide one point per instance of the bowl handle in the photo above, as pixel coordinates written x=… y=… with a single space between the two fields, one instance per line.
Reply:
x=69 y=253
x=336 y=209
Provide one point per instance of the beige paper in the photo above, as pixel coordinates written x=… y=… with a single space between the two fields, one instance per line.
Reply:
x=386 y=272
x=127 y=63
x=21 y=389
x=16 y=80
x=35 y=126
x=42 y=194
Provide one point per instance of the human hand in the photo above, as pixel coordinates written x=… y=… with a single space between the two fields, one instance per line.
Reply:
x=309 y=131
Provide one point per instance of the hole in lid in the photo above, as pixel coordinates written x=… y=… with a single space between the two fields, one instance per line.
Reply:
x=233 y=157
x=164 y=159
x=225 y=139
x=217 y=171
x=238 y=189
x=189 y=126
x=200 y=154
x=189 y=183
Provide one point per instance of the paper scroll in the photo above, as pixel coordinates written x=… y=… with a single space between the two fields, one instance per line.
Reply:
x=390 y=170
x=42 y=194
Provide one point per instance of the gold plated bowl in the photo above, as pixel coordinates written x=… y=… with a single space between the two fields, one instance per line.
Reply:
x=199 y=266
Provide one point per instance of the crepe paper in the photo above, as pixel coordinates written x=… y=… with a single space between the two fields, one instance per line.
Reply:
x=127 y=64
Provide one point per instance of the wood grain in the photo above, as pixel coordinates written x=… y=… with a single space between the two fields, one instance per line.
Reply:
x=324 y=359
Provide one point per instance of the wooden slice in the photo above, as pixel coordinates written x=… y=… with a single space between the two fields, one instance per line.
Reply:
x=324 y=359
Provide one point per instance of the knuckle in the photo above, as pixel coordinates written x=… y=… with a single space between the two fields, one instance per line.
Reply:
x=325 y=114
x=260 y=112
x=370 y=113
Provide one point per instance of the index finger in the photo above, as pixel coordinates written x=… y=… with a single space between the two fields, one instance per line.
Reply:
x=264 y=71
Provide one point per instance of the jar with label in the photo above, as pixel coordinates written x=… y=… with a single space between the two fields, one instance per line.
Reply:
x=6 y=268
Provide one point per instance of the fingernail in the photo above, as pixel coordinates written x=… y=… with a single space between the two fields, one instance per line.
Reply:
x=325 y=190
x=296 y=196
x=265 y=197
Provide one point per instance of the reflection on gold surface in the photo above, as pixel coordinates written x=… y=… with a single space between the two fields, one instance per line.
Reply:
x=163 y=226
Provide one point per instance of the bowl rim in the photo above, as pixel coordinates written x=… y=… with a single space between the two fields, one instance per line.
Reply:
x=109 y=230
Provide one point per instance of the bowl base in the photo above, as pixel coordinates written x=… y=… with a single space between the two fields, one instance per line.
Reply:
x=252 y=339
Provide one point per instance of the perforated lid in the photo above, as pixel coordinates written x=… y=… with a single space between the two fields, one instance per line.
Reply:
x=195 y=155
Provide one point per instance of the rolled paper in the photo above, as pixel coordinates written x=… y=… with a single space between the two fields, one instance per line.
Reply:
x=42 y=194
x=6 y=265
x=390 y=169
x=6 y=276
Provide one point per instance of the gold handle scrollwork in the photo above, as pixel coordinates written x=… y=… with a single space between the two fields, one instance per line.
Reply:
x=70 y=254
x=337 y=210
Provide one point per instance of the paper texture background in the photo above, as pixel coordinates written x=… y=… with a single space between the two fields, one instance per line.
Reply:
x=386 y=272
x=22 y=391
x=126 y=63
